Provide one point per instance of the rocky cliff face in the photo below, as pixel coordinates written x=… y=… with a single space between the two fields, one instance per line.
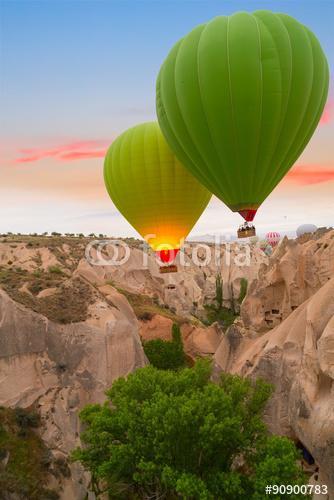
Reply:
x=187 y=290
x=297 y=269
x=297 y=357
x=58 y=368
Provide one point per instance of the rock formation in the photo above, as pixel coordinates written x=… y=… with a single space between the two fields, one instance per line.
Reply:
x=197 y=340
x=60 y=368
x=68 y=328
x=297 y=357
x=296 y=270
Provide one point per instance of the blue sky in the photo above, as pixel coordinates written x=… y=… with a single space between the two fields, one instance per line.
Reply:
x=84 y=71
x=90 y=66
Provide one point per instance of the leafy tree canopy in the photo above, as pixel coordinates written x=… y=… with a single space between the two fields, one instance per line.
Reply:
x=172 y=435
x=164 y=354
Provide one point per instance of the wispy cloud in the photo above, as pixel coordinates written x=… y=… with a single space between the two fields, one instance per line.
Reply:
x=311 y=174
x=72 y=151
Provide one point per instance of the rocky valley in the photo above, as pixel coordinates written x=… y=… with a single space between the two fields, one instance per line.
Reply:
x=69 y=328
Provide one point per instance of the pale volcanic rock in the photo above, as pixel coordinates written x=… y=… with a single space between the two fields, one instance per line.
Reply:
x=201 y=341
x=297 y=357
x=198 y=341
x=295 y=272
x=25 y=289
x=158 y=327
x=47 y=292
x=60 y=368
x=26 y=257
x=326 y=349
x=194 y=284
x=95 y=275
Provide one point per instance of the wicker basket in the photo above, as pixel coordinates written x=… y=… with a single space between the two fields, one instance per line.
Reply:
x=246 y=233
x=168 y=269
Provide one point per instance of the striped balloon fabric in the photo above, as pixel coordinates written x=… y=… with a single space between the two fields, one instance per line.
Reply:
x=273 y=238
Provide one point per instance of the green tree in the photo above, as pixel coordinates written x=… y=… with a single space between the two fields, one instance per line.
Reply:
x=219 y=291
x=166 y=355
x=172 y=435
x=243 y=290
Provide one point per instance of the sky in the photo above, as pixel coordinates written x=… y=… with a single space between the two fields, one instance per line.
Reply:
x=75 y=74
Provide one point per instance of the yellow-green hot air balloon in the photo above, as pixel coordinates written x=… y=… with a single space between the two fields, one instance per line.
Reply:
x=152 y=189
x=238 y=99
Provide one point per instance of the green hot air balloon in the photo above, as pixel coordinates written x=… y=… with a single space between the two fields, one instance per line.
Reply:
x=152 y=189
x=238 y=99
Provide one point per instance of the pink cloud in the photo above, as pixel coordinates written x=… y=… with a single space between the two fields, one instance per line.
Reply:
x=310 y=174
x=79 y=155
x=328 y=113
x=77 y=150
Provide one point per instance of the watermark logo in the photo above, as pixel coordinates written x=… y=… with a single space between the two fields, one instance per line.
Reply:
x=116 y=252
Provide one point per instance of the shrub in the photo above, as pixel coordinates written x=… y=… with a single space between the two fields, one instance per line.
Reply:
x=243 y=290
x=176 y=334
x=26 y=419
x=219 y=291
x=25 y=474
x=55 y=270
x=165 y=434
x=166 y=355
x=145 y=315
x=224 y=316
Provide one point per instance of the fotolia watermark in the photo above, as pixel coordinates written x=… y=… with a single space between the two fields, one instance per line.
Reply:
x=117 y=252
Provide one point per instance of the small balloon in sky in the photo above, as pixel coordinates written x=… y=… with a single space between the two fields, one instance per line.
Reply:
x=306 y=229
x=273 y=238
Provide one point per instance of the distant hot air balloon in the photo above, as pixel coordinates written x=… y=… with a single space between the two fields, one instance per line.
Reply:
x=306 y=228
x=238 y=99
x=152 y=189
x=273 y=238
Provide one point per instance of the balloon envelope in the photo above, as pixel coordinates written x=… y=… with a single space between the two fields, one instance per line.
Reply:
x=306 y=228
x=238 y=99
x=273 y=238
x=152 y=189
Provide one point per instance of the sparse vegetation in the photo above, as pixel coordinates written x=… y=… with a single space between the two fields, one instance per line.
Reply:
x=224 y=316
x=216 y=311
x=55 y=270
x=68 y=304
x=145 y=307
x=164 y=354
x=145 y=316
x=23 y=463
x=25 y=419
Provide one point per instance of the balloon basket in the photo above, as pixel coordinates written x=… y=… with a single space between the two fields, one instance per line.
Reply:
x=168 y=269
x=246 y=233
